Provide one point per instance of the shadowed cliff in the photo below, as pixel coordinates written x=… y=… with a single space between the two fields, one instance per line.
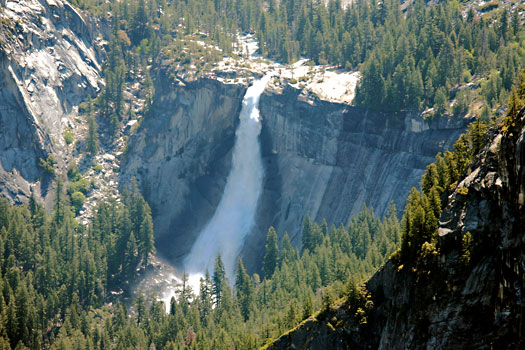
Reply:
x=323 y=159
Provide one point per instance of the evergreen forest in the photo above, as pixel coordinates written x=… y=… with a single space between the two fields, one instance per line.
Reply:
x=415 y=58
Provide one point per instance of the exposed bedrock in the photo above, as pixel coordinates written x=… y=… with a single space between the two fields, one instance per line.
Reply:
x=321 y=158
x=457 y=303
x=48 y=66
x=181 y=157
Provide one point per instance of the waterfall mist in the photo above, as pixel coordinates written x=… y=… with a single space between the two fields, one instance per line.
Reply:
x=234 y=217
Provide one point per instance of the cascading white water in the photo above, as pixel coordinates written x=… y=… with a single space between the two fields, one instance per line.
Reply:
x=235 y=215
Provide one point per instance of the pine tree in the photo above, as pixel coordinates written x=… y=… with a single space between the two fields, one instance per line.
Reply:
x=307 y=233
x=12 y=322
x=476 y=131
x=184 y=293
x=271 y=256
x=140 y=306
x=244 y=289
x=205 y=298
x=147 y=245
x=173 y=306
x=291 y=314
x=131 y=256
x=430 y=178
x=307 y=307
x=218 y=280
x=140 y=23
x=288 y=253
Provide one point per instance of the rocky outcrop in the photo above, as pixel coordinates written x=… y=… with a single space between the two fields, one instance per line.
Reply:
x=321 y=158
x=47 y=67
x=460 y=303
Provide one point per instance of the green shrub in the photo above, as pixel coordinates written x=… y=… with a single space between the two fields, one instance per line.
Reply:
x=48 y=165
x=82 y=185
x=72 y=173
x=68 y=137
x=465 y=248
x=463 y=191
x=293 y=81
x=83 y=108
x=77 y=201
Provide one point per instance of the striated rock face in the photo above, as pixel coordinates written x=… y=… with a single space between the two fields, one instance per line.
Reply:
x=323 y=159
x=181 y=157
x=47 y=67
x=328 y=160
x=460 y=305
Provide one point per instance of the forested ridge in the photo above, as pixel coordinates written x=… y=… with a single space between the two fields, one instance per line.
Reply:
x=423 y=210
x=410 y=58
x=435 y=278
x=54 y=270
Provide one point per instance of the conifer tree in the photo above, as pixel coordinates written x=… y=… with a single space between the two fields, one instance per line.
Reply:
x=244 y=289
x=271 y=256
x=288 y=253
x=131 y=254
x=205 y=298
x=184 y=293
x=147 y=245
x=218 y=280
x=307 y=233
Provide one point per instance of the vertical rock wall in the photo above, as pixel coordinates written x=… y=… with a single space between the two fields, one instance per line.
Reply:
x=323 y=159
x=181 y=157
x=328 y=160
x=458 y=303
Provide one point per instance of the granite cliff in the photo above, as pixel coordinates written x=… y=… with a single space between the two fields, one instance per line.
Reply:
x=181 y=157
x=321 y=158
x=48 y=66
x=462 y=304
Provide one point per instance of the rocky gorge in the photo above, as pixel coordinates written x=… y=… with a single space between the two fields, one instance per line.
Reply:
x=321 y=158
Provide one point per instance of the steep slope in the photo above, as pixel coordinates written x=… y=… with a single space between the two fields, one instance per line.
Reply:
x=47 y=67
x=470 y=293
x=321 y=158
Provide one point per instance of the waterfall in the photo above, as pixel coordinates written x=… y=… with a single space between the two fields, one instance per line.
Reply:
x=234 y=217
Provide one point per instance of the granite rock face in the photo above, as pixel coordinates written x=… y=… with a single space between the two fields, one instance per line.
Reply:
x=323 y=159
x=181 y=157
x=461 y=305
x=327 y=160
x=47 y=67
